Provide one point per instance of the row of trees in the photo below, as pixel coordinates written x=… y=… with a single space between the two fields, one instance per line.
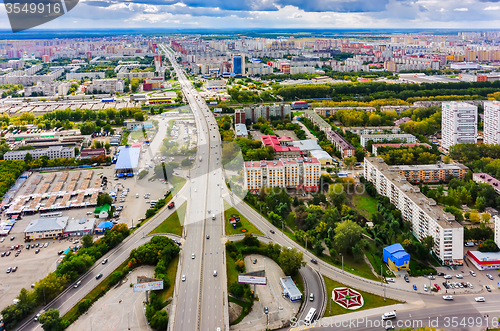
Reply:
x=424 y=121
x=408 y=155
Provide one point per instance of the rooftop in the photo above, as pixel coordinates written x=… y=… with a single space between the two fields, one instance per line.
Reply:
x=81 y=224
x=429 y=206
x=486 y=178
x=388 y=136
x=241 y=129
x=47 y=224
x=437 y=166
x=128 y=158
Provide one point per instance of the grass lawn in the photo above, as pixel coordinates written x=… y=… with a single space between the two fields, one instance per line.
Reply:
x=365 y=205
x=171 y=273
x=370 y=300
x=359 y=268
x=232 y=273
x=177 y=183
x=375 y=260
x=244 y=223
x=173 y=223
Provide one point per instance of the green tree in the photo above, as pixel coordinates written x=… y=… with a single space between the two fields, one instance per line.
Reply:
x=28 y=157
x=159 y=321
x=87 y=128
x=51 y=321
x=428 y=242
x=290 y=261
x=347 y=234
x=87 y=241
x=104 y=199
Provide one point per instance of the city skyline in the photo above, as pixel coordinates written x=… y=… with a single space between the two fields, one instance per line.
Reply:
x=359 y=14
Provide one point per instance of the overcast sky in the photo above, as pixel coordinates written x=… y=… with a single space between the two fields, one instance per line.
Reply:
x=190 y=14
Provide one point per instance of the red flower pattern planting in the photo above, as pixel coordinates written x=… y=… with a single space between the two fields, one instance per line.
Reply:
x=348 y=298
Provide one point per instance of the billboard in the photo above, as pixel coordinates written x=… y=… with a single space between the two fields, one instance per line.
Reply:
x=213 y=102
x=245 y=279
x=141 y=287
x=218 y=110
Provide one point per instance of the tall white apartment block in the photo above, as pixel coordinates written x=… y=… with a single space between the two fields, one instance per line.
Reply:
x=492 y=122
x=496 y=219
x=458 y=124
x=426 y=217
x=299 y=173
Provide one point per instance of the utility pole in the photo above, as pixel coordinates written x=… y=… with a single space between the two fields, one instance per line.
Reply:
x=342 y=263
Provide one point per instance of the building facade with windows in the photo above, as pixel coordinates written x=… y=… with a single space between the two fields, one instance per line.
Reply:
x=299 y=173
x=459 y=124
x=426 y=217
x=432 y=173
x=491 y=130
x=53 y=152
x=404 y=137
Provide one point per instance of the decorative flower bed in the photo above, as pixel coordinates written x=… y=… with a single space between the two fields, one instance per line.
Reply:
x=347 y=298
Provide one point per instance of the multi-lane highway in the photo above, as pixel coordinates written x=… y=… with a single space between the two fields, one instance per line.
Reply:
x=199 y=300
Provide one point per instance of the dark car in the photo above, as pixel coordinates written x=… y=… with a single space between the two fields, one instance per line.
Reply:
x=14 y=269
x=272 y=231
x=314 y=261
x=60 y=252
x=254 y=261
x=440 y=273
x=266 y=310
x=488 y=288
x=37 y=251
x=3 y=254
x=98 y=276
x=407 y=279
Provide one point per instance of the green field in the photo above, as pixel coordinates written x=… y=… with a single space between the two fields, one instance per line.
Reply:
x=232 y=273
x=173 y=223
x=370 y=300
x=244 y=223
x=177 y=183
x=171 y=273
x=365 y=205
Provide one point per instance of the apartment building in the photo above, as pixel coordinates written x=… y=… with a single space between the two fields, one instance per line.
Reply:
x=491 y=132
x=48 y=89
x=278 y=110
x=106 y=86
x=426 y=217
x=85 y=75
x=496 y=219
x=53 y=152
x=298 y=173
x=459 y=124
x=342 y=145
x=405 y=137
x=432 y=173
x=481 y=177
x=372 y=129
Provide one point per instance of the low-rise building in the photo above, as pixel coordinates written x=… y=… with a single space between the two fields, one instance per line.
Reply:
x=432 y=173
x=375 y=147
x=111 y=85
x=405 y=137
x=339 y=142
x=484 y=261
x=138 y=125
x=79 y=227
x=426 y=217
x=47 y=227
x=481 y=177
x=89 y=153
x=323 y=157
x=240 y=130
x=53 y=152
x=281 y=150
x=372 y=129
x=396 y=257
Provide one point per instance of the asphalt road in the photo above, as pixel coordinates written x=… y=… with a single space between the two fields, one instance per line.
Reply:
x=313 y=284
x=199 y=299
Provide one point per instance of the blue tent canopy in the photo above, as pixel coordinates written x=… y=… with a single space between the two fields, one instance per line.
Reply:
x=128 y=158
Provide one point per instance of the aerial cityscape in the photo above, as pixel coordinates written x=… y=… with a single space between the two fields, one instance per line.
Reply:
x=263 y=165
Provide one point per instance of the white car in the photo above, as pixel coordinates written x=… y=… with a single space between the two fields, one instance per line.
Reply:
x=472 y=273
x=479 y=299
x=390 y=280
x=425 y=288
x=183 y=278
x=192 y=256
x=447 y=276
x=459 y=276
x=447 y=297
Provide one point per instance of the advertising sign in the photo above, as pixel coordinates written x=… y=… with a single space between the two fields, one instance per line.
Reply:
x=141 y=287
x=243 y=279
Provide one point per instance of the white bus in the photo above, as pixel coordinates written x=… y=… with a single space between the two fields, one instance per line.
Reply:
x=311 y=315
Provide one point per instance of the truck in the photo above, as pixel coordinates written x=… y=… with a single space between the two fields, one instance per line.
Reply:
x=171 y=205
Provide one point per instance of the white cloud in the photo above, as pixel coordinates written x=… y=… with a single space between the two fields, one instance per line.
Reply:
x=492 y=8
x=461 y=9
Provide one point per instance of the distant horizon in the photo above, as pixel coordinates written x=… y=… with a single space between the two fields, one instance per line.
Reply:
x=6 y=34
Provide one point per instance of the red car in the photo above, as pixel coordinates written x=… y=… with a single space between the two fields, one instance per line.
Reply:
x=437 y=286
x=171 y=205
x=17 y=246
